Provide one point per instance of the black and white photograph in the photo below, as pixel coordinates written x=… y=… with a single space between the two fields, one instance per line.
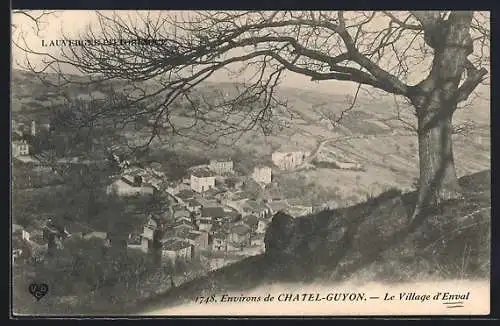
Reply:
x=250 y=163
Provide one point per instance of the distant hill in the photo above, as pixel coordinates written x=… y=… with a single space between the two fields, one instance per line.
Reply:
x=368 y=134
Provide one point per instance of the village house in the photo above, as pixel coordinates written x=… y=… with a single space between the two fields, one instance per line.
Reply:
x=299 y=205
x=182 y=227
x=289 y=160
x=20 y=128
x=261 y=225
x=251 y=207
x=18 y=230
x=240 y=235
x=186 y=180
x=262 y=174
x=219 y=242
x=175 y=249
x=236 y=200
x=198 y=238
x=149 y=229
x=204 y=224
x=213 y=212
x=258 y=240
x=221 y=166
x=202 y=180
x=220 y=214
x=198 y=241
x=137 y=241
x=20 y=146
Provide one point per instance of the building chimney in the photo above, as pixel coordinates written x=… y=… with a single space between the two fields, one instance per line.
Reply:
x=33 y=128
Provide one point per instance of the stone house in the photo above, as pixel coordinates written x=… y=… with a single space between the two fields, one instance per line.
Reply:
x=175 y=249
x=137 y=241
x=18 y=230
x=202 y=180
x=20 y=146
x=204 y=224
x=221 y=166
x=262 y=174
x=219 y=242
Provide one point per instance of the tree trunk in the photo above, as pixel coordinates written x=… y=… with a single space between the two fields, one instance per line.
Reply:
x=438 y=178
x=435 y=100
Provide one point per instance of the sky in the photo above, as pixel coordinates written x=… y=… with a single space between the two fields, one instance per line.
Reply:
x=71 y=22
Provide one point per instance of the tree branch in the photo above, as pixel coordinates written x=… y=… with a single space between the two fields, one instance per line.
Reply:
x=474 y=78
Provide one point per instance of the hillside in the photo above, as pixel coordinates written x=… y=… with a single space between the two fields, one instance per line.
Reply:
x=368 y=242
x=369 y=134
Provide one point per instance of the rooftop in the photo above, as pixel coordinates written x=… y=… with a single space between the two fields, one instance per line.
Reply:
x=213 y=212
x=193 y=235
x=220 y=235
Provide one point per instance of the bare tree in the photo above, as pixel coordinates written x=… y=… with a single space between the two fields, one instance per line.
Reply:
x=37 y=20
x=433 y=59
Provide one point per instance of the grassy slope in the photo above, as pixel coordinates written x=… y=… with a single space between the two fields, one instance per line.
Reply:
x=373 y=244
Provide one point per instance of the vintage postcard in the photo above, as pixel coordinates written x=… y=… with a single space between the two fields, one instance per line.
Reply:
x=201 y=163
